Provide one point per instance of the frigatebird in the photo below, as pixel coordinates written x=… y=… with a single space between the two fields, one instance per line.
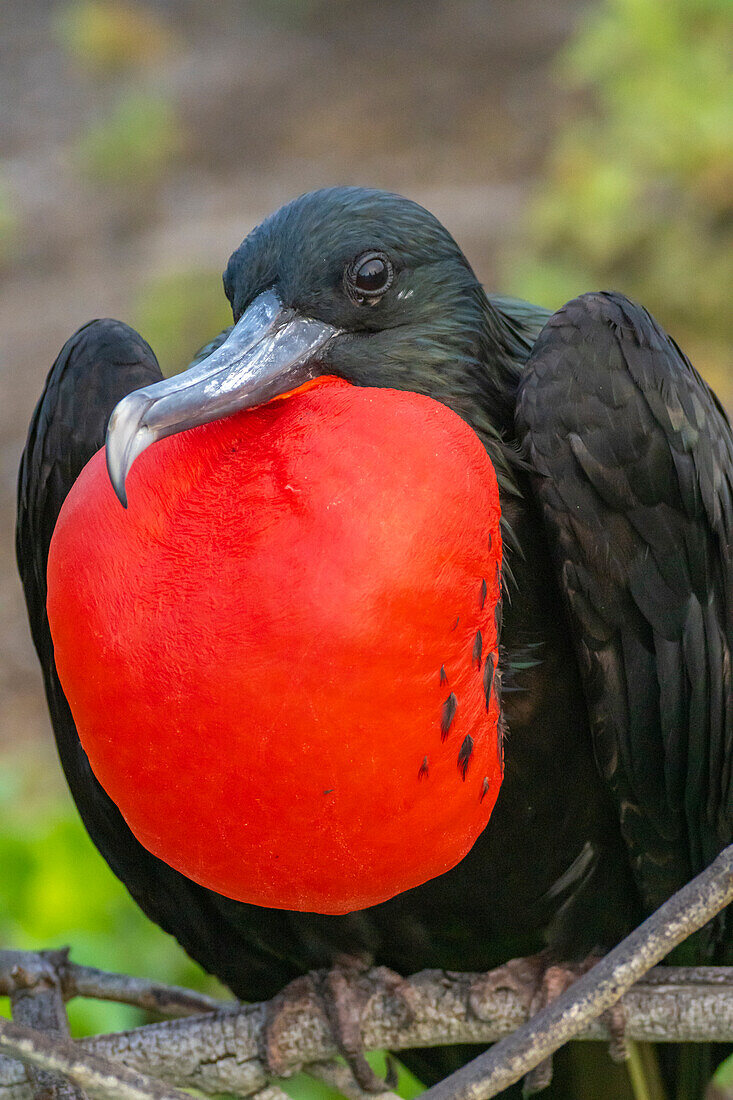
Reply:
x=614 y=463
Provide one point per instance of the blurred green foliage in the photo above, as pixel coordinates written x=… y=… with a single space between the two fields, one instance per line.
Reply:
x=180 y=311
x=638 y=191
x=135 y=143
x=107 y=36
x=722 y=1083
x=9 y=225
x=55 y=889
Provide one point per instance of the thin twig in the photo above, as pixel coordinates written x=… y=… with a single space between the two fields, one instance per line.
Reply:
x=599 y=989
x=87 y=981
x=37 y=1001
x=98 y=1076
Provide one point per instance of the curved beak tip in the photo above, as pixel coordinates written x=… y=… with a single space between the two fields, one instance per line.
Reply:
x=127 y=437
x=269 y=351
x=116 y=475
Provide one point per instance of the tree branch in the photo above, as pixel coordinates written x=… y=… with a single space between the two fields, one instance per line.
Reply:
x=98 y=1076
x=686 y=912
x=37 y=1001
x=87 y=981
x=219 y=1052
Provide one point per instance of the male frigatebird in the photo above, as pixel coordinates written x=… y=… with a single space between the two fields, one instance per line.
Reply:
x=614 y=463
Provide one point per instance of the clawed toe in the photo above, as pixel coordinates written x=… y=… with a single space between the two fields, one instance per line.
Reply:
x=614 y=1019
x=537 y=982
x=342 y=995
x=280 y=1013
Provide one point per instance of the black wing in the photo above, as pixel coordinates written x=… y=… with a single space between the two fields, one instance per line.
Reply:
x=101 y=363
x=633 y=461
x=94 y=370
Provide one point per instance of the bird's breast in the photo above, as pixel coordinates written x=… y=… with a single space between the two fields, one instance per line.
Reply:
x=280 y=658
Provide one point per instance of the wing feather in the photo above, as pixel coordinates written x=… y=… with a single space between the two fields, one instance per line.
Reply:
x=633 y=466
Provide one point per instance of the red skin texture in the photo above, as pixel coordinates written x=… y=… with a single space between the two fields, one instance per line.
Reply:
x=252 y=651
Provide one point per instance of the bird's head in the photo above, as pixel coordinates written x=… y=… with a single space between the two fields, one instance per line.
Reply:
x=361 y=284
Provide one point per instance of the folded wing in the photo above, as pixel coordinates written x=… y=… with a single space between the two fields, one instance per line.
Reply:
x=632 y=459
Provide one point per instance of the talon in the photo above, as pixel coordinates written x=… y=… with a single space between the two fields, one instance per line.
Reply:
x=537 y=982
x=614 y=1019
x=341 y=995
x=555 y=980
x=297 y=997
x=400 y=989
x=538 y=1078
x=344 y=1000
x=522 y=976
x=392 y=1076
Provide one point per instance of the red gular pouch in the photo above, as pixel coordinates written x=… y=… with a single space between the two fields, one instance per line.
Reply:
x=280 y=657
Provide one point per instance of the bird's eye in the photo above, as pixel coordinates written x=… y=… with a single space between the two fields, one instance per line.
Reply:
x=369 y=276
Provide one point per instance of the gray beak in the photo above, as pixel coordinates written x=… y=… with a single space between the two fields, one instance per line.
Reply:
x=270 y=350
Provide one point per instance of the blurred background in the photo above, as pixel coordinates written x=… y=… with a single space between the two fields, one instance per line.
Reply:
x=569 y=145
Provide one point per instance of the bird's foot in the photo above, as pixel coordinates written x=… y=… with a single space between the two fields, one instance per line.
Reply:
x=538 y=981
x=342 y=994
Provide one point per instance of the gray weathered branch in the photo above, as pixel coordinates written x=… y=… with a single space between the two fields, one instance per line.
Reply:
x=683 y=914
x=61 y=1057
x=37 y=1001
x=38 y=984
x=87 y=981
x=219 y=1052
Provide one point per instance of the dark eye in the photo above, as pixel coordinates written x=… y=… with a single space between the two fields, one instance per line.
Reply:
x=368 y=276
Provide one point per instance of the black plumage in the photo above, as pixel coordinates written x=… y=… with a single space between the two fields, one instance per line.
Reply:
x=615 y=466
x=478 y=646
x=464 y=755
x=633 y=464
x=448 y=714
